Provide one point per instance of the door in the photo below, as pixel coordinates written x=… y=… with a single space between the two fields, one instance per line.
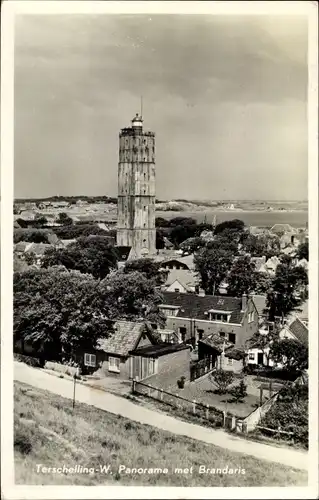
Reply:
x=260 y=358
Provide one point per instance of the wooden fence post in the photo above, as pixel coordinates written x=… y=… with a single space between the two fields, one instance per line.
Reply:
x=207 y=412
x=134 y=385
x=194 y=406
x=261 y=396
x=224 y=419
x=161 y=394
x=149 y=392
x=270 y=390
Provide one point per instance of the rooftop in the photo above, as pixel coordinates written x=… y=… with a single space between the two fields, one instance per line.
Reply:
x=124 y=338
x=300 y=331
x=195 y=306
x=155 y=351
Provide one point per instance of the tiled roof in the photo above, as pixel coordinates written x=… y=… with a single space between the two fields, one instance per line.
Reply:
x=184 y=276
x=195 y=306
x=282 y=228
x=300 y=331
x=22 y=246
x=216 y=342
x=38 y=248
x=123 y=339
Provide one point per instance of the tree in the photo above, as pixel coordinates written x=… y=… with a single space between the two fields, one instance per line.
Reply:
x=242 y=277
x=64 y=219
x=160 y=242
x=90 y=255
x=40 y=220
x=288 y=289
x=149 y=268
x=191 y=245
x=31 y=235
x=212 y=264
x=74 y=231
x=261 y=245
x=239 y=392
x=222 y=379
x=235 y=224
x=130 y=296
x=262 y=341
x=303 y=251
x=56 y=311
x=291 y=353
x=228 y=240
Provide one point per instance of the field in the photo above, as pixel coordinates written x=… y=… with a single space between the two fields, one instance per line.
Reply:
x=49 y=432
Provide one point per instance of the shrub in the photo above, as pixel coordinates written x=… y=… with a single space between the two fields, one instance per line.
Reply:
x=222 y=379
x=28 y=360
x=181 y=382
x=22 y=441
x=239 y=392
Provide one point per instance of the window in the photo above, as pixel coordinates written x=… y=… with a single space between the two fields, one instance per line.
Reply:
x=222 y=334
x=232 y=338
x=114 y=365
x=154 y=326
x=219 y=317
x=251 y=356
x=89 y=359
x=176 y=289
x=229 y=361
x=251 y=317
x=200 y=333
x=151 y=366
x=182 y=332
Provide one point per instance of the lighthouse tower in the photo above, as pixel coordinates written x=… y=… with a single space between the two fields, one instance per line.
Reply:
x=136 y=190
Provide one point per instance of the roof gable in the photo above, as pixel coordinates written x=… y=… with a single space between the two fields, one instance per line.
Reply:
x=299 y=331
x=125 y=338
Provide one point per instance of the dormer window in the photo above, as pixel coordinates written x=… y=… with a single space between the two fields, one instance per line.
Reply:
x=220 y=316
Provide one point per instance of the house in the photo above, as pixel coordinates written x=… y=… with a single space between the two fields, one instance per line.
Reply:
x=132 y=351
x=21 y=247
x=293 y=329
x=221 y=353
x=161 y=364
x=281 y=229
x=259 y=262
x=181 y=280
x=112 y=354
x=270 y=266
x=194 y=317
x=172 y=259
x=27 y=215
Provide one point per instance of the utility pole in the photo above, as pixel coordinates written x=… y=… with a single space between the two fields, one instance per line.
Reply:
x=74 y=378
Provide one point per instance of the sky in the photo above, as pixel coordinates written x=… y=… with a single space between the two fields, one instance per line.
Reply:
x=226 y=97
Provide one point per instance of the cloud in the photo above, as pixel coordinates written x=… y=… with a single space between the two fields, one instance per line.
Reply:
x=226 y=97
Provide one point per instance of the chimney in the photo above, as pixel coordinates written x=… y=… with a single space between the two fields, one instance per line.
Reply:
x=243 y=302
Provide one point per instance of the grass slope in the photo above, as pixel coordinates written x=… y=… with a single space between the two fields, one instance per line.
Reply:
x=49 y=432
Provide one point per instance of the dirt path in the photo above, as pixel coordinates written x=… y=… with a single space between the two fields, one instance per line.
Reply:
x=120 y=406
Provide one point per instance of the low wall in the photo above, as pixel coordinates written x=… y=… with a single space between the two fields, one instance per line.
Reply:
x=252 y=420
x=58 y=367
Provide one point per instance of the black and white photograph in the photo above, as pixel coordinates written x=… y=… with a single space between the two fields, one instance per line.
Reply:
x=159 y=293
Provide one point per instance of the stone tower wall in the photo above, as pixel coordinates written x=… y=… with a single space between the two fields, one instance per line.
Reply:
x=136 y=190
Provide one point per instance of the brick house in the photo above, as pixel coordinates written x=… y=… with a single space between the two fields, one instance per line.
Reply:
x=194 y=317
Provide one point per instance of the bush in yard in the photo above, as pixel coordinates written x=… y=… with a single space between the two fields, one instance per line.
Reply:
x=181 y=382
x=239 y=392
x=222 y=379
